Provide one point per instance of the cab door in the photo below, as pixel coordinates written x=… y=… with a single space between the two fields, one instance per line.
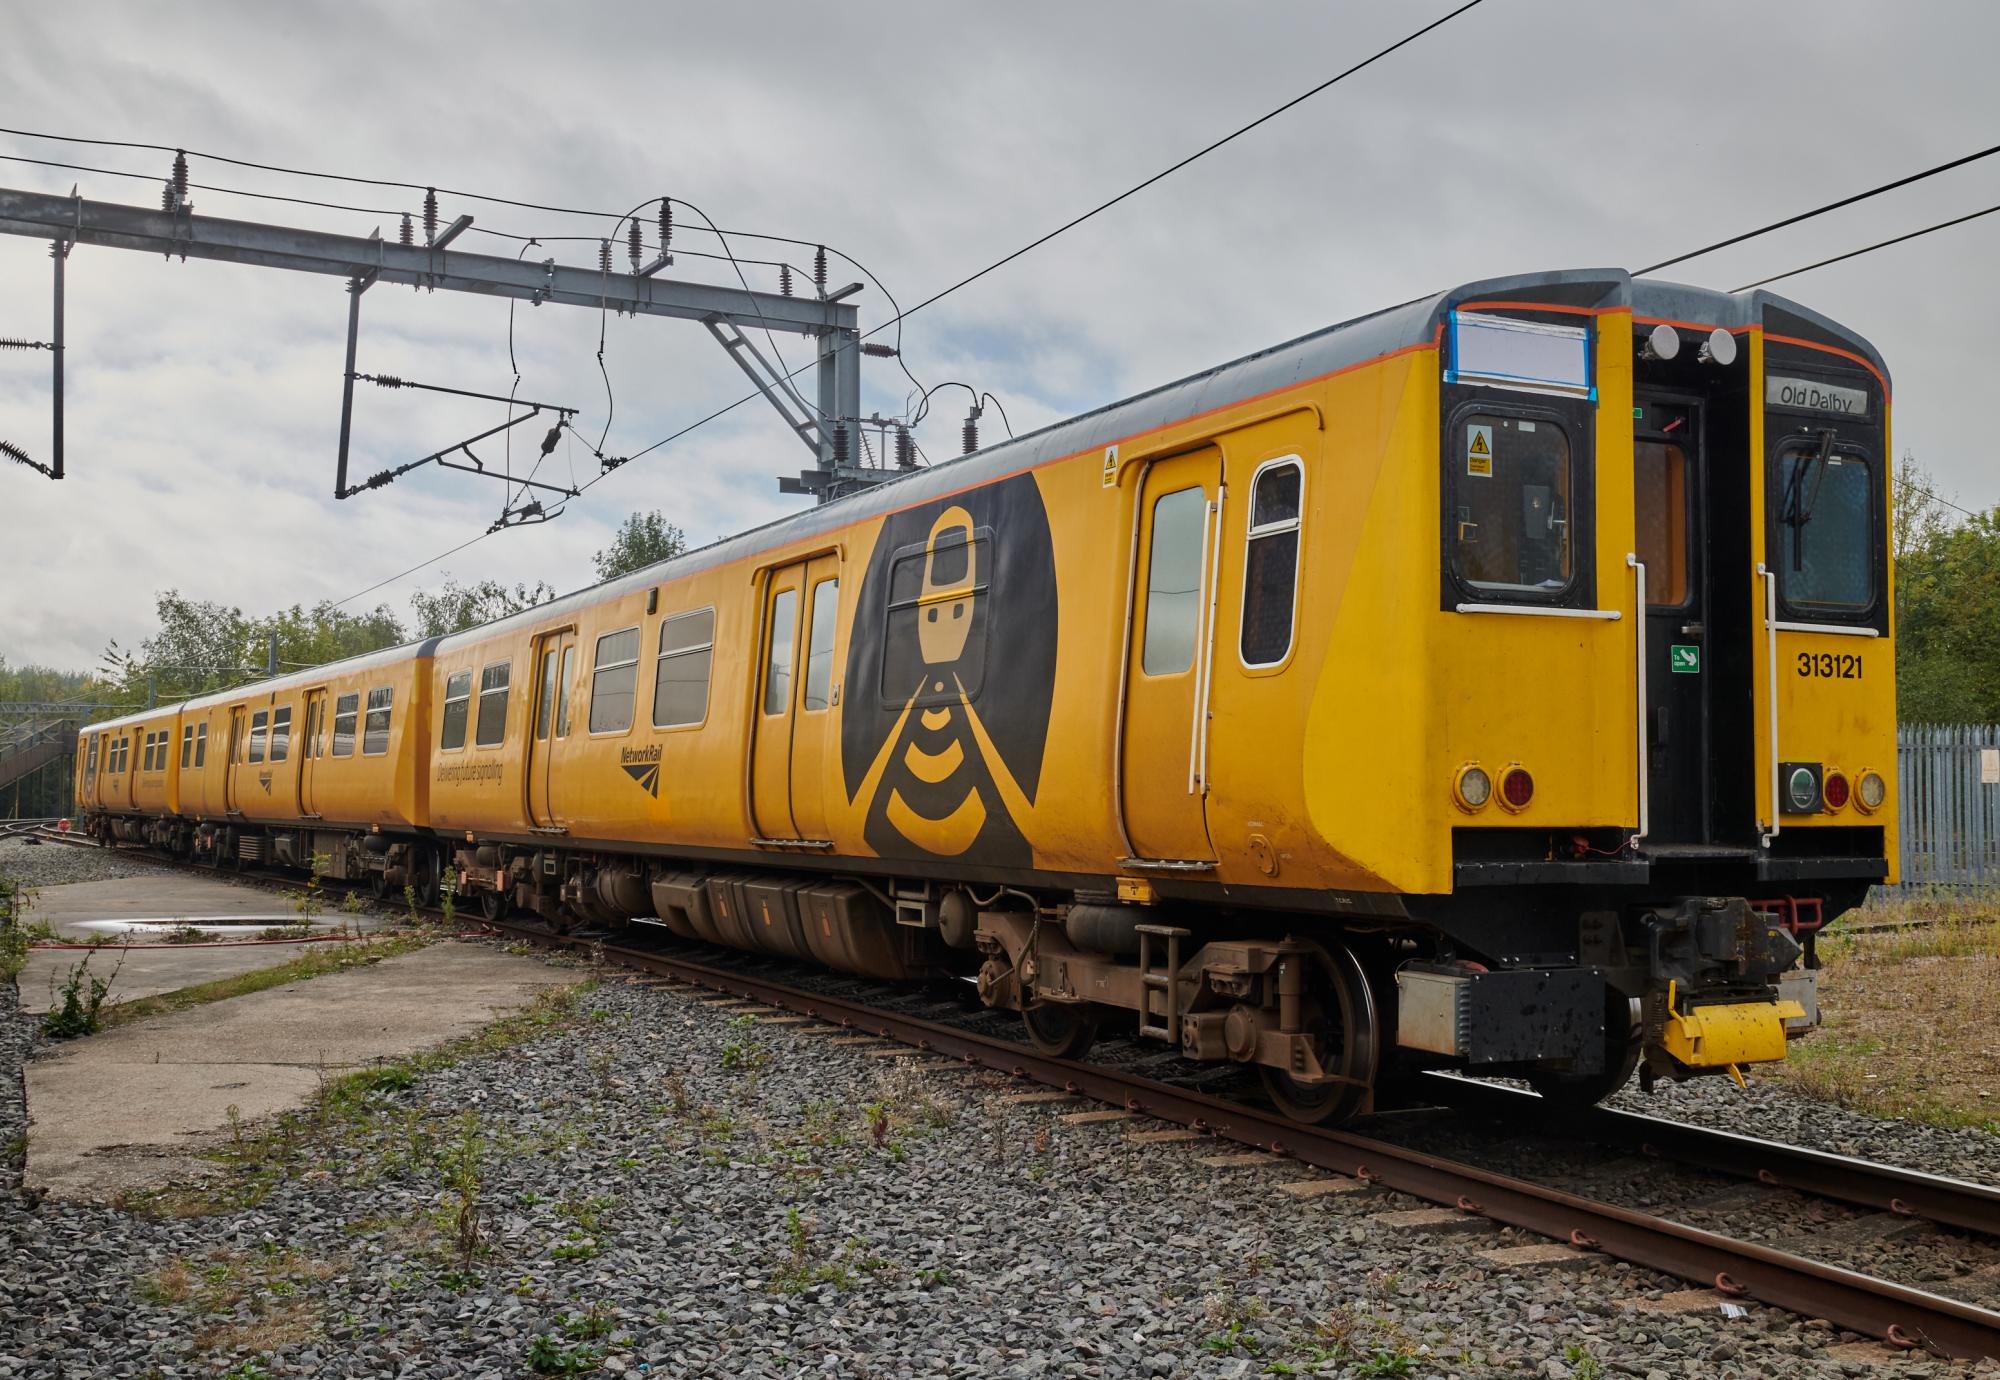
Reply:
x=815 y=725
x=1167 y=680
x=774 y=715
x=555 y=667
x=309 y=749
x=1670 y=497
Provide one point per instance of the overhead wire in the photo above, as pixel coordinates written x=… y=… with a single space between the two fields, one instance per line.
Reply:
x=1869 y=248
x=1819 y=210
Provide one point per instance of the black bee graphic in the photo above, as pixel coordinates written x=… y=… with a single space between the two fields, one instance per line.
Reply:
x=957 y=633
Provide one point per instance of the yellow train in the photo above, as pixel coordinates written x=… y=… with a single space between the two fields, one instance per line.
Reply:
x=1501 y=681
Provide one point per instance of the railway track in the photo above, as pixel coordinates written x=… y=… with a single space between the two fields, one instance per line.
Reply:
x=24 y=828
x=1734 y=1269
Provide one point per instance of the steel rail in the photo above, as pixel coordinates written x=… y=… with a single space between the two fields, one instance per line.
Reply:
x=1897 y=1314
x=1867 y=1183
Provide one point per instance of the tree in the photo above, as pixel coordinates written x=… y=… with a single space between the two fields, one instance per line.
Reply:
x=644 y=539
x=1947 y=606
x=455 y=606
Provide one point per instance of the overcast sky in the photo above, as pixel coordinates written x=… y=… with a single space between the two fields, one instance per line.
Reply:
x=926 y=140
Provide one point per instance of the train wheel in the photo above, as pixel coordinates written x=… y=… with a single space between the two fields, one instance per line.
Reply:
x=1340 y=1007
x=1623 y=1047
x=424 y=874
x=378 y=884
x=1059 y=1030
x=493 y=905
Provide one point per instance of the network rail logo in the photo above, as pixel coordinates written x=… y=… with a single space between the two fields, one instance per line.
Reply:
x=643 y=766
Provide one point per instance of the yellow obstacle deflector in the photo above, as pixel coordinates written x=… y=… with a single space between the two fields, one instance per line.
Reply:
x=1710 y=1037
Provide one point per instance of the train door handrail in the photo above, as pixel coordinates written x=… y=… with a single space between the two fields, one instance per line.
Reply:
x=1639 y=653
x=1770 y=578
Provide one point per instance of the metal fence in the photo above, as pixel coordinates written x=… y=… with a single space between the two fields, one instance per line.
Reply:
x=1948 y=783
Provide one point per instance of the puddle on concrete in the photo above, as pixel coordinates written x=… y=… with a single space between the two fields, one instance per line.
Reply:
x=235 y=926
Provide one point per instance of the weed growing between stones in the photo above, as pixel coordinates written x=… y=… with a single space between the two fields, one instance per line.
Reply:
x=462 y=1190
x=76 y=1005
x=548 y=1356
x=190 y=934
x=16 y=938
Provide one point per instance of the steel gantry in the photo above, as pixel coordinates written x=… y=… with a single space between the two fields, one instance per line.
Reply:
x=828 y=425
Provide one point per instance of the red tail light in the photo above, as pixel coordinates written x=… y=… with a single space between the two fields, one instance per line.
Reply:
x=1836 y=790
x=1517 y=788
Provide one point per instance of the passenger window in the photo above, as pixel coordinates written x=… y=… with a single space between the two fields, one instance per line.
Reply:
x=492 y=705
x=778 y=663
x=346 y=710
x=457 y=707
x=819 y=644
x=281 y=732
x=939 y=614
x=375 y=728
x=1510 y=496
x=1659 y=487
x=547 y=713
x=1173 y=582
x=187 y=746
x=562 y=691
x=1271 y=562
x=257 y=734
x=200 y=744
x=1826 y=528
x=614 y=681
x=680 y=681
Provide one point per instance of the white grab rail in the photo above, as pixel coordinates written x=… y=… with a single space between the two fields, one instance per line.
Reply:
x=1770 y=578
x=1639 y=645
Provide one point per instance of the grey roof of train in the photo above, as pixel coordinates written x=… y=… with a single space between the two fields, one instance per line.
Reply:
x=1310 y=356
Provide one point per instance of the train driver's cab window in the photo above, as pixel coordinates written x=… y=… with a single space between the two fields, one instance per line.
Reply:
x=1271 y=562
x=1173 y=582
x=1509 y=513
x=614 y=681
x=259 y=729
x=375 y=727
x=457 y=709
x=493 y=682
x=347 y=719
x=680 y=684
x=281 y=732
x=1826 y=510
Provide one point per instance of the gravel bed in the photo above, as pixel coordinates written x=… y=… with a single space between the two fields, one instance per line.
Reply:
x=1773 y=1113
x=716 y=1190
x=57 y=864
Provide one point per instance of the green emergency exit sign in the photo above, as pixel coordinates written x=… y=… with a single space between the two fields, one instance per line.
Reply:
x=1684 y=661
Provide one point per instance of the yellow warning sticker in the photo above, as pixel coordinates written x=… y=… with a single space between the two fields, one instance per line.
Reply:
x=1479 y=451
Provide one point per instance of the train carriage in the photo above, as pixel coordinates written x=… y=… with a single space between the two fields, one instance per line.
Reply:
x=1503 y=681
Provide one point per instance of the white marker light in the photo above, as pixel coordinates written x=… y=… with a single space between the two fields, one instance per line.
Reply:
x=1719 y=348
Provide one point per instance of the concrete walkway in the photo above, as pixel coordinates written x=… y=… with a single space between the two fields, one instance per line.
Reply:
x=134 y=1108
x=137 y=910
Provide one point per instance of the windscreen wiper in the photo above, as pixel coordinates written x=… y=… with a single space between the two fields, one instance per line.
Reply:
x=1801 y=500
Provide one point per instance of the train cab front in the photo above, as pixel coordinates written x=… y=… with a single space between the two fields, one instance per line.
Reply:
x=1677 y=500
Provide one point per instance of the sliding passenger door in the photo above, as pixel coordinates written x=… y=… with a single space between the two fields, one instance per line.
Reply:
x=773 y=715
x=232 y=798
x=555 y=667
x=1163 y=755
x=309 y=750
